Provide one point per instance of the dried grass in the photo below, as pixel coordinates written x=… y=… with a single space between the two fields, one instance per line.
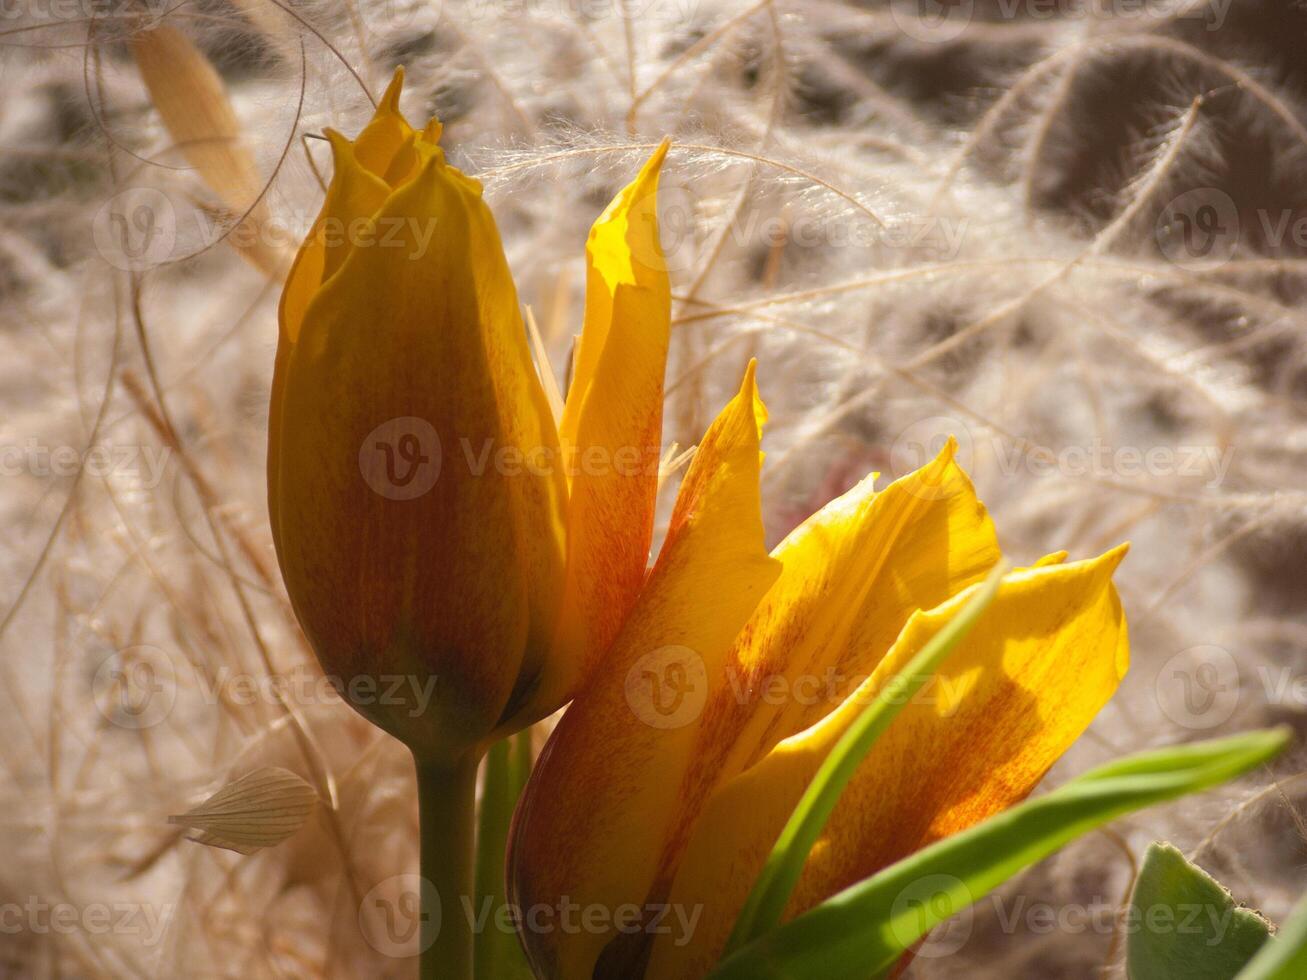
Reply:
x=914 y=236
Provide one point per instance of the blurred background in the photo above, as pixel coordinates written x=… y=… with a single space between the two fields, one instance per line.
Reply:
x=1072 y=234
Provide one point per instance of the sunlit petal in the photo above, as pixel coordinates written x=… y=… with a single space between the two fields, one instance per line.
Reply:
x=1024 y=685
x=619 y=752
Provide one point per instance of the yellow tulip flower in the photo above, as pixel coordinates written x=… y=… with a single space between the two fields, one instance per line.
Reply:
x=435 y=524
x=667 y=781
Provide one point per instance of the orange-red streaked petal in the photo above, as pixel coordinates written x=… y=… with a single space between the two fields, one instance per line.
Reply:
x=594 y=814
x=611 y=434
x=1026 y=682
x=854 y=574
x=623 y=248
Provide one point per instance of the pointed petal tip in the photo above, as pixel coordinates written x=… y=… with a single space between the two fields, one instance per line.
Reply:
x=1052 y=558
x=343 y=157
x=655 y=162
x=947 y=453
x=867 y=485
x=434 y=169
x=750 y=376
x=1100 y=567
x=390 y=100
x=649 y=173
x=645 y=186
x=749 y=391
x=1112 y=558
x=342 y=146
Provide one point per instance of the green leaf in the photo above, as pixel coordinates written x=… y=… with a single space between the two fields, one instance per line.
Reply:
x=772 y=889
x=1182 y=923
x=1285 y=956
x=498 y=954
x=865 y=929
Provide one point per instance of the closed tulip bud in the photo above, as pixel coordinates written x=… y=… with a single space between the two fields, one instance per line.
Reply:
x=418 y=494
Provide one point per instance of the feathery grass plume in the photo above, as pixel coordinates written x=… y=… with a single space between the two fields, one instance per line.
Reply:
x=997 y=155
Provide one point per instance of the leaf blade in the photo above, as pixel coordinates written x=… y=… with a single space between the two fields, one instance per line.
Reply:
x=1183 y=923
x=852 y=931
x=1285 y=956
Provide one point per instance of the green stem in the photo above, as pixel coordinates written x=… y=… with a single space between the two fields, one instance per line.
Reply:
x=499 y=955
x=447 y=813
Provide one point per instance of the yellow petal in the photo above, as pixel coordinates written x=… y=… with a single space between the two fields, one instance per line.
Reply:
x=612 y=434
x=854 y=573
x=419 y=497
x=623 y=249
x=375 y=148
x=595 y=812
x=354 y=195
x=1024 y=685
x=387 y=133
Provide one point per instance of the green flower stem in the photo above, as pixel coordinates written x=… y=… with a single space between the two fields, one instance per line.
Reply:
x=499 y=954
x=447 y=814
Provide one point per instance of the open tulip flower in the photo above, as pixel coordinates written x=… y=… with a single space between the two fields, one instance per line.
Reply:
x=434 y=519
x=765 y=754
x=671 y=775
